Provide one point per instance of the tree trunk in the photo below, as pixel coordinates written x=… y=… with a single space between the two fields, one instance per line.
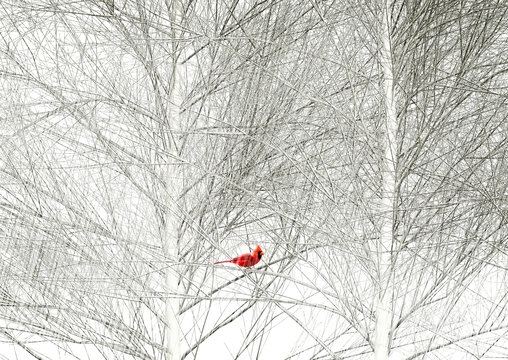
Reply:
x=171 y=248
x=383 y=334
x=173 y=186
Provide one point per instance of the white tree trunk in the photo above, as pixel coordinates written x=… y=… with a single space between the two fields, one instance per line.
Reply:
x=171 y=248
x=383 y=325
x=173 y=187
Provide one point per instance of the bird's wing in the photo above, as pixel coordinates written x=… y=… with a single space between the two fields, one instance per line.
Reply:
x=242 y=257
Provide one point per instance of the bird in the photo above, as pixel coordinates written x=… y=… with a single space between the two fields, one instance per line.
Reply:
x=246 y=260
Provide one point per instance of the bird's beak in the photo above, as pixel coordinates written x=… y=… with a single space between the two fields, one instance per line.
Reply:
x=262 y=253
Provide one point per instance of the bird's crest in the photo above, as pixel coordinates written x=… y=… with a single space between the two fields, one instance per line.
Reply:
x=258 y=249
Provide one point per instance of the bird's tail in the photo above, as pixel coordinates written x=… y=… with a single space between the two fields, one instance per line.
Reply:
x=220 y=262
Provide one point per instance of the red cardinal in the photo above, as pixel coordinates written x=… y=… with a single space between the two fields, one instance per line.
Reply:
x=246 y=260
